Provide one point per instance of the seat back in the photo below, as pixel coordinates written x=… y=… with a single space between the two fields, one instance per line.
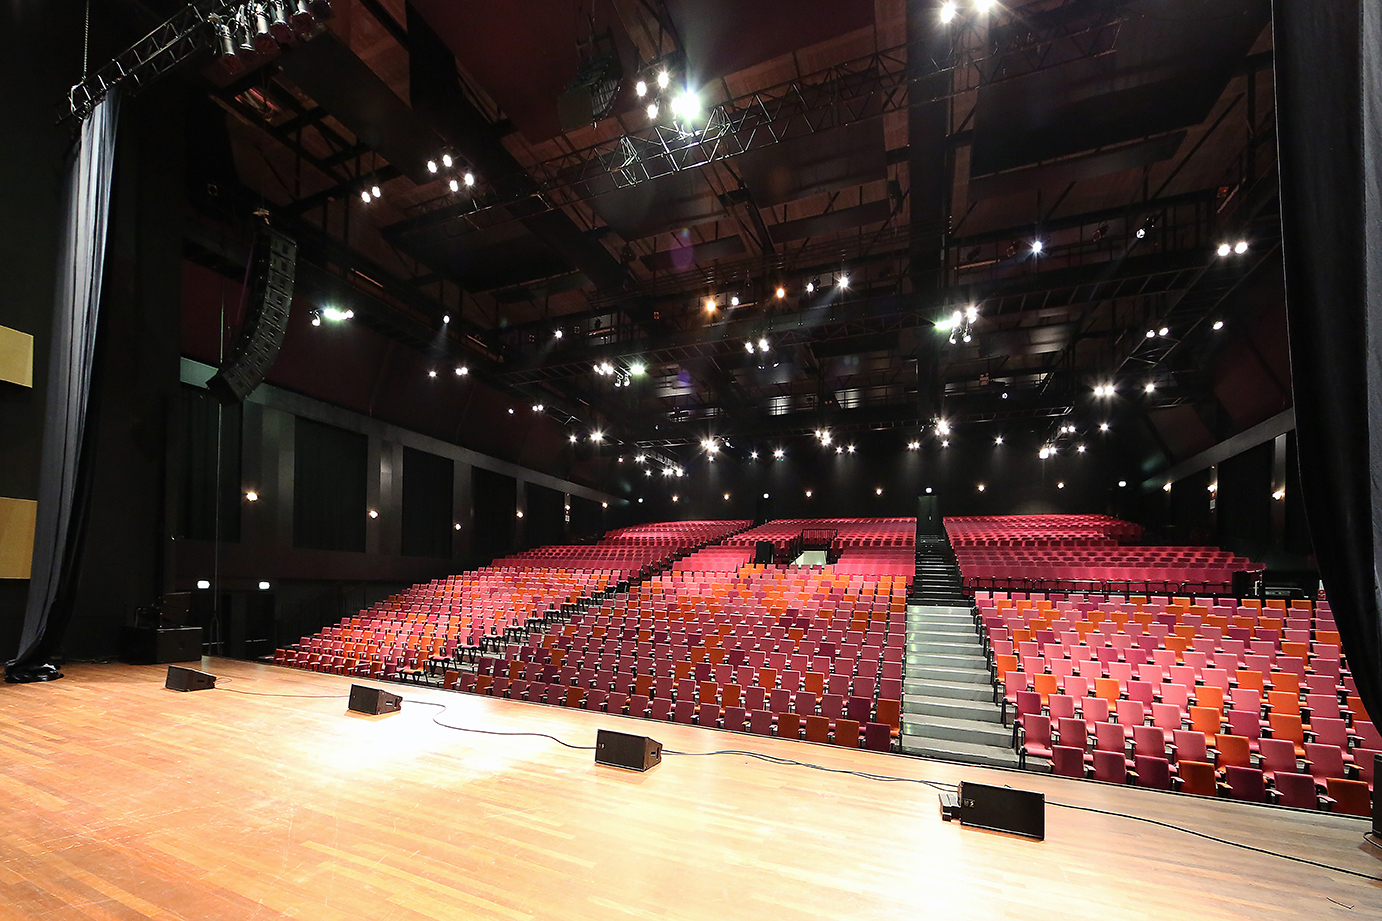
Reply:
x=1245 y=783
x=1233 y=751
x=1190 y=745
x=1110 y=767
x=1296 y=790
x=1351 y=797
x=1153 y=772
x=1068 y=761
x=1197 y=777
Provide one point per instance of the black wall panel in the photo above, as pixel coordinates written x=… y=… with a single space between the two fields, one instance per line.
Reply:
x=202 y=477
x=329 y=487
x=428 y=487
x=496 y=502
x=544 y=517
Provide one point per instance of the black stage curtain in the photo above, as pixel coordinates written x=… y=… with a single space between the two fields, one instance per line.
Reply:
x=1329 y=135
x=64 y=487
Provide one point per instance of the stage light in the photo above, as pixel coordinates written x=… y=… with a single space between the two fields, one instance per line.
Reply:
x=686 y=106
x=537 y=407
x=456 y=526
x=1060 y=485
x=1151 y=387
x=510 y=410
x=1005 y=394
x=649 y=472
x=202 y=583
x=571 y=438
x=981 y=487
x=945 y=442
x=373 y=513
x=454 y=185
x=597 y=437
x=468 y=179
x=316 y=319
x=824 y=436
x=1151 y=334
x=1122 y=484
x=1079 y=449
x=710 y=304
x=446 y=160
x=913 y=445
x=374 y=190
x=808 y=493
x=1218 y=325
x=663 y=79
x=1037 y=247
x=1241 y=247
x=641 y=458
x=810 y=287
x=1224 y=249
x=942 y=427
x=1141 y=233
x=710 y=445
x=604 y=505
x=983 y=6
x=971 y=313
x=947 y=13
x=839 y=450
x=446 y=318
x=734 y=300
x=652 y=110
x=640 y=89
x=753 y=455
x=1044 y=453
x=726 y=497
x=850 y=449
x=681 y=471
x=778 y=454
x=762 y=345
x=520 y=513
x=431 y=373
x=462 y=371
x=364 y=196
x=557 y=334
x=1166 y=488
x=765 y=495
x=998 y=440
x=637 y=368
x=966 y=338
x=878 y=491
x=263 y=586
x=431 y=166
x=748 y=347
x=640 y=500
x=781 y=292
x=1279 y=495
x=1164 y=331
x=843 y=281
x=1103 y=426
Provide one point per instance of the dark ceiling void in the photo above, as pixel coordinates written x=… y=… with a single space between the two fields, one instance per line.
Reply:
x=722 y=37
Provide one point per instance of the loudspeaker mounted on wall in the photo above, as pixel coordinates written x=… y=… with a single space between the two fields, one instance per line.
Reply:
x=188 y=679
x=273 y=267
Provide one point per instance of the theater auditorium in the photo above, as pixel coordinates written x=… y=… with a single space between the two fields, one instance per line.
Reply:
x=700 y=459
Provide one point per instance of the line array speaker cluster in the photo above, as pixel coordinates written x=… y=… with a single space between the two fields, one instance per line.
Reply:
x=273 y=267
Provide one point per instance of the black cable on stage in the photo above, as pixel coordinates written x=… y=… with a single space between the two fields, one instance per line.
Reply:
x=1214 y=838
x=298 y=696
x=774 y=759
x=494 y=732
x=1371 y=838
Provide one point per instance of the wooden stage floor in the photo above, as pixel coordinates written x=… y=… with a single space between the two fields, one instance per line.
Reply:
x=120 y=799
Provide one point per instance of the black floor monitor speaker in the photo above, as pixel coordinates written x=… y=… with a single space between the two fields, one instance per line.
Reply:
x=272 y=270
x=619 y=749
x=188 y=679
x=158 y=646
x=373 y=700
x=1020 y=812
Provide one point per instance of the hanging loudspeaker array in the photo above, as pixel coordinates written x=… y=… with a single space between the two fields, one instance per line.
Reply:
x=272 y=269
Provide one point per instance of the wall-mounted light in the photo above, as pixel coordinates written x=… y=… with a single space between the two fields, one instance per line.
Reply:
x=373 y=513
x=203 y=584
x=263 y=586
x=251 y=496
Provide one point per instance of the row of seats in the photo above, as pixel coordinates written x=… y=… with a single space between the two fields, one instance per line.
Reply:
x=1039 y=530
x=849 y=532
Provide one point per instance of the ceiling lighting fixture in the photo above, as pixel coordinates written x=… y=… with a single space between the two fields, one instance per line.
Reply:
x=778 y=454
x=913 y=445
x=1218 y=325
x=1151 y=334
x=843 y=281
x=983 y=6
x=364 y=196
x=637 y=368
x=748 y=347
x=203 y=583
x=686 y=106
x=998 y=440
x=947 y=13
x=726 y=497
x=640 y=88
x=1044 y=453
x=981 y=487
x=468 y=179
x=316 y=318
x=808 y=493
x=1060 y=485
x=1166 y=488
x=445 y=319
x=942 y=427
x=446 y=160
x=1241 y=247
x=734 y=300
x=1164 y=331
x=1079 y=449
x=839 y=450
x=1224 y=249
x=374 y=190
x=753 y=455
x=1151 y=387
x=1122 y=484
x=663 y=79
x=453 y=185
x=557 y=334
x=1037 y=247
x=810 y=287
x=878 y=491
x=431 y=373
x=945 y=442
x=710 y=304
x=781 y=292
x=462 y=371
x=652 y=110
x=850 y=449
x=1103 y=426
x=765 y=495
x=263 y=586
x=373 y=513
x=597 y=436
x=520 y=513
x=537 y=407
x=431 y=166
x=251 y=496
x=762 y=345
x=572 y=438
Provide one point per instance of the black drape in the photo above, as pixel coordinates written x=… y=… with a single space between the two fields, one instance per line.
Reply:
x=1329 y=135
x=65 y=476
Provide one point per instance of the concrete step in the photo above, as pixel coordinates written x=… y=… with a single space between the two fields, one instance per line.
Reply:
x=957 y=627
x=978 y=732
x=952 y=675
x=940 y=648
x=924 y=704
x=921 y=657
x=964 y=752
x=957 y=690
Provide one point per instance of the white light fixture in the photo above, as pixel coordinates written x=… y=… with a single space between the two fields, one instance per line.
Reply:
x=456 y=526
x=947 y=13
x=537 y=407
x=839 y=450
x=446 y=160
x=663 y=79
x=604 y=505
x=364 y=196
x=1241 y=247
x=1151 y=334
x=640 y=88
x=1122 y=484
x=734 y=300
x=431 y=373
x=446 y=318
x=762 y=345
x=1279 y=495
x=263 y=586
x=726 y=497
x=202 y=583
x=510 y=410
x=850 y=449
x=431 y=166
x=597 y=437
x=520 y=513
x=652 y=110
x=1103 y=426
x=844 y=281
x=753 y=455
x=998 y=440
x=373 y=513
x=781 y=292
x=765 y=495
x=462 y=370
x=710 y=304
x=374 y=190
x=686 y=106
x=637 y=368
x=557 y=334
x=1218 y=325
x=454 y=185
x=640 y=500
x=981 y=487
x=468 y=179
x=1060 y=485
x=1151 y=387
x=336 y=314
x=748 y=347
x=251 y=496
x=778 y=454
x=316 y=319
x=1044 y=453
x=1037 y=247
x=942 y=427
x=675 y=498
x=983 y=6
x=945 y=442
x=1224 y=249
x=1079 y=449
x=1164 y=331
x=878 y=491
x=641 y=458
x=810 y=287
x=808 y=493
x=1166 y=488
x=913 y=445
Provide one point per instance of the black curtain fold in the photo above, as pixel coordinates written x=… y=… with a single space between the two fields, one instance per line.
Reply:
x=1328 y=60
x=66 y=473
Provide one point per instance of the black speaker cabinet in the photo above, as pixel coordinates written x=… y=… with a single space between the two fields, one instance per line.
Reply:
x=619 y=749
x=154 y=646
x=1020 y=812
x=272 y=271
x=373 y=700
x=188 y=679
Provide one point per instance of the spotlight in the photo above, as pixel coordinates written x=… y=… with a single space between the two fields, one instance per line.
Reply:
x=537 y=407
x=983 y=6
x=446 y=160
x=640 y=458
x=1044 y=453
x=251 y=496
x=1151 y=334
x=824 y=436
x=928 y=490
x=942 y=427
x=1079 y=449
x=571 y=438
x=765 y=495
x=1224 y=249
x=1151 y=387
x=1103 y=426
x=998 y=440
x=557 y=334
x=808 y=493
x=1005 y=394
x=947 y=11
x=981 y=487
x=652 y=110
x=462 y=371
x=1218 y=325
x=446 y=318
x=640 y=500
x=753 y=455
x=365 y=196
x=1037 y=247
x=966 y=338
x=1164 y=331
x=945 y=442
x=1122 y=484
x=839 y=450
x=597 y=437
x=1060 y=485
x=604 y=505
x=734 y=300
x=202 y=583
x=663 y=79
x=1166 y=488
x=373 y=513
x=431 y=166
x=726 y=497
x=456 y=526
x=454 y=186
x=1241 y=247
x=374 y=190
x=468 y=179
x=810 y=287
x=710 y=304
x=520 y=513
x=686 y=106
x=913 y=445
x=781 y=292
x=640 y=89
x=778 y=454
x=431 y=373
x=748 y=347
x=843 y=281
x=263 y=586
x=763 y=345
x=674 y=498
x=878 y=491
x=850 y=449
x=1141 y=233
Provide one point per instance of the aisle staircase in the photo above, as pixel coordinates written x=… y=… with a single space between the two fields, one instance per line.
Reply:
x=947 y=698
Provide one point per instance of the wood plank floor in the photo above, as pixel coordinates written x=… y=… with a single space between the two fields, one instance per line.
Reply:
x=122 y=800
